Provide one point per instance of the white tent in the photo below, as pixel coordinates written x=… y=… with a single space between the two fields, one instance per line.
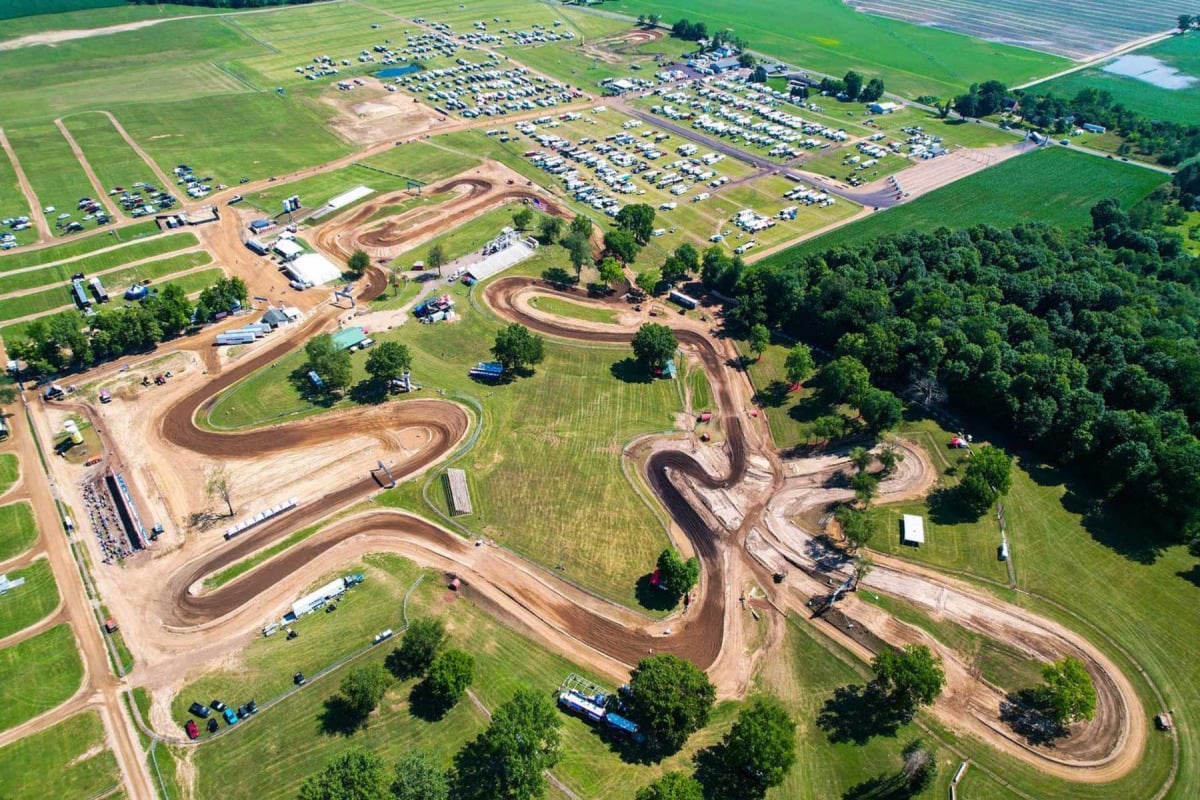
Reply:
x=913 y=529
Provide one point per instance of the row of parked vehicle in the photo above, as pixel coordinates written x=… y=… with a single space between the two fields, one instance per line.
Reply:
x=205 y=712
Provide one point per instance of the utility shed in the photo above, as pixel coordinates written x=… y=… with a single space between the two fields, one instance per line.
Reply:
x=460 y=498
x=912 y=530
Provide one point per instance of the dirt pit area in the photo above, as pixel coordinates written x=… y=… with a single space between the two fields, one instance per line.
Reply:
x=370 y=114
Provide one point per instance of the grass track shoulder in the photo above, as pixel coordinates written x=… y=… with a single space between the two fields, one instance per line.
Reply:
x=37 y=674
x=69 y=760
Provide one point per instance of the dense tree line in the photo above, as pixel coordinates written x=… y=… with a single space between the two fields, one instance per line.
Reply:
x=1083 y=344
x=853 y=87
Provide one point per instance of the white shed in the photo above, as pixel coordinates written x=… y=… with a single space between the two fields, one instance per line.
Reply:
x=913 y=530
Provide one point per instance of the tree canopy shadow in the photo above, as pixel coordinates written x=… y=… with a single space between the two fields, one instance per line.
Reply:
x=424 y=704
x=1192 y=575
x=629 y=370
x=339 y=718
x=651 y=597
x=368 y=392
x=774 y=395
x=1024 y=712
x=305 y=388
x=882 y=787
x=947 y=508
x=559 y=277
x=719 y=783
x=808 y=409
x=857 y=714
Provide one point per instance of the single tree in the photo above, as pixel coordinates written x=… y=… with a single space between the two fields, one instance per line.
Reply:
x=356 y=774
x=889 y=456
x=1068 y=694
x=863 y=566
x=610 y=271
x=872 y=91
x=641 y=19
x=654 y=345
x=638 y=220
x=220 y=486
x=745 y=60
x=517 y=348
x=509 y=759
x=853 y=84
x=421 y=644
x=672 y=786
x=363 y=688
x=579 y=249
x=759 y=75
x=436 y=257
x=522 y=218
x=671 y=699
x=419 y=777
x=622 y=245
x=388 y=361
x=449 y=676
x=988 y=476
x=688 y=256
x=861 y=458
x=673 y=270
x=760 y=748
x=653 y=19
x=826 y=428
x=549 y=228
x=880 y=410
x=866 y=487
x=358 y=261
x=920 y=767
x=909 y=677
x=582 y=226
x=799 y=363
x=330 y=362
x=647 y=281
x=760 y=338
x=676 y=575
x=858 y=527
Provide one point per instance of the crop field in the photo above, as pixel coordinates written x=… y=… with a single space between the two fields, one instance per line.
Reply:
x=69 y=760
x=78 y=247
x=18 y=531
x=37 y=674
x=504 y=661
x=52 y=169
x=1176 y=105
x=10 y=470
x=1029 y=188
x=99 y=262
x=912 y=60
x=31 y=602
x=110 y=156
x=232 y=136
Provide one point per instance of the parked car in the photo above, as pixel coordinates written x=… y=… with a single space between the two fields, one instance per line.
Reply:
x=217 y=705
x=242 y=712
x=192 y=731
x=200 y=710
x=213 y=725
x=231 y=716
x=252 y=707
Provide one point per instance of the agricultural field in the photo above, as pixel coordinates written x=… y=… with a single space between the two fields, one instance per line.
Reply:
x=57 y=178
x=110 y=156
x=68 y=760
x=1029 y=188
x=18 y=531
x=913 y=60
x=31 y=602
x=1179 y=54
x=37 y=674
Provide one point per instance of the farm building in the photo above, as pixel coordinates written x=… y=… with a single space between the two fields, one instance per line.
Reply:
x=460 y=498
x=912 y=530
x=1093 y=128
x=349 y=337
x=679 y=298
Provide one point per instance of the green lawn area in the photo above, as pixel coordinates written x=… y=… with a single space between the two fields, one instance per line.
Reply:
x=77 y=247
x=10 y=469
x=57 y=178
x=38 y=674
x=12 y=200
x=566 y=308
x=832 y=38
x=1174 y=105
x=421 y=162
x=283 y=745
x=18 y=531
x=27 y=604
x=1028 y=188
x=89 y=265
x=69 y=761
x=110 y=156
x=789 y=414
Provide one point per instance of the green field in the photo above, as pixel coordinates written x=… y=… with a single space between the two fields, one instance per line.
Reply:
x=566 y=308
x=10 y=470
x=68 y=761
x=13 y=202
x=57 y=178
x=77 y=247
x=99 y=263
x=110 y=156
x=37 y=674
x=422 y=162
x=1028 y=188
x=47 y=300
x=1174 y=105
x=29 y=603
x=18 y=531
x=833 y=38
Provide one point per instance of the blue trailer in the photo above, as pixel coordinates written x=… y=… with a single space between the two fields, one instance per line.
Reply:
x=487 y=370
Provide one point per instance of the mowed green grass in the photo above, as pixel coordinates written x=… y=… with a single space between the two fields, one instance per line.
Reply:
x=100 y=262
x=78 y=247
x=49 y=299
x=232 y=136
x=422 y=162
x=1174 y=105
x=31 y=602
x=18 y=531
x=10 y=470
x=281 y=746
x=1055 y=186
x=57 y=178
x=70 y=760
x=110 y=156
x=830 y=37
x=13 y=202
x=37 y=674
x=566 y=308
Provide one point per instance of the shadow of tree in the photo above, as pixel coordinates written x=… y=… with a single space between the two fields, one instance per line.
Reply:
x=651 y=597
x=424 y=704
x=857 y=714
x=774 y=395
x=630 y=371
x=1024 y=712
x=946 y=508
x=882 y=787
x=719 y=783
x=368 y=392
x=559 y=277
x=339 y=718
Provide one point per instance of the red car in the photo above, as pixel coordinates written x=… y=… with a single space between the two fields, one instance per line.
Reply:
x=192 y=731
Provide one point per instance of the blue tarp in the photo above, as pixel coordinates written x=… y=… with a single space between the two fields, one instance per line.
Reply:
x=620 y=723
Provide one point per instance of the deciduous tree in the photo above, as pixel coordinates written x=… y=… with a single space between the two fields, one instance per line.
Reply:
x=422 y=642
x=522 y=218
x=676 y=575
x=356 y=774
x=436 y=257
x=363 y=687
x=910 y=677
x=672 y=786
x=610 y=271
x=671 y=699
x=760 y=748
x=510 y=758
x=1068 y=694
x=988 y=476
x=654 y=345
x=388 y=361
x=419 y=777
x=358 y=261
x=517 y=348
x=622 y=244
x=449 y=676
x=638 y=220
x=799 y=363
x=549 y=228
x=759 y=340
